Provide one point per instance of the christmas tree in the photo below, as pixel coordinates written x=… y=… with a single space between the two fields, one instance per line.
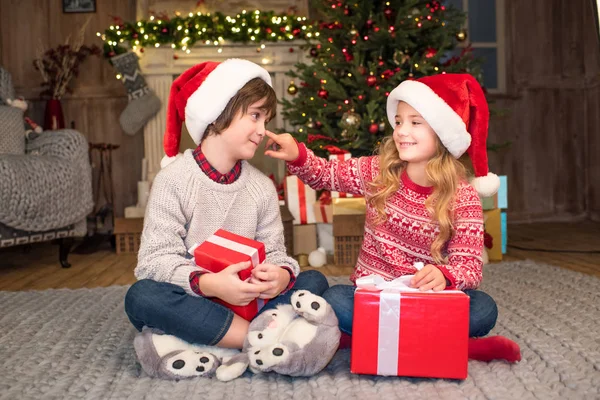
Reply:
x=364 y=49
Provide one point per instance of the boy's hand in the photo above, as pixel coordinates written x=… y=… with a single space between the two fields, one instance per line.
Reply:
x=227 y=285
x=276 y=277
x=430 y=277
x=282 y=146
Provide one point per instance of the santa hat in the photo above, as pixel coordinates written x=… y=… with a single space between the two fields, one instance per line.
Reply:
x=199 y=96
x=455 y=107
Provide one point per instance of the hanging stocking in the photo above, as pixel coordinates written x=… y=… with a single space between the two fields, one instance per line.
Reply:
x=143 y=103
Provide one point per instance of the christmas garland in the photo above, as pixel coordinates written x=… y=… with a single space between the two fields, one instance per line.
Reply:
x=183 y=32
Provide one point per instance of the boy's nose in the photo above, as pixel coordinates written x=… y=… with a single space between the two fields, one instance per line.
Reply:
x=260 y=130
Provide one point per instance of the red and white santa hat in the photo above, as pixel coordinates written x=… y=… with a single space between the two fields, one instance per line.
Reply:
x=455 y=107
x=199 y=96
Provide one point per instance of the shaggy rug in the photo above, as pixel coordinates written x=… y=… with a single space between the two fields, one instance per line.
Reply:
x=77 y=344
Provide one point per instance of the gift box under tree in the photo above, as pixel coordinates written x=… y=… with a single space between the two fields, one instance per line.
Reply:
x=400 y=331
x=223 y=249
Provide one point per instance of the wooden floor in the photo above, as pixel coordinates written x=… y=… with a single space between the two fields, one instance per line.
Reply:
x=37 y=268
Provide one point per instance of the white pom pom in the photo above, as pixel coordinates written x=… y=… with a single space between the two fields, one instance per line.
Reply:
x=487 y=185
x=166 y=160
x=317 y=258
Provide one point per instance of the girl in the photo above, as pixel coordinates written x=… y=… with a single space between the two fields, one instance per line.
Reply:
x=226 y=107
x=420 y=207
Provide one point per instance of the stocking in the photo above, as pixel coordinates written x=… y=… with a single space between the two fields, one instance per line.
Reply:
x=143 y=103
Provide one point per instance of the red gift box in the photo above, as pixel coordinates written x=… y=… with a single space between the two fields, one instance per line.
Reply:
x=405 y=332
x=223 y=249
x=300 y=199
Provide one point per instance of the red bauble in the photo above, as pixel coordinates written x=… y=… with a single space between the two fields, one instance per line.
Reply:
x=388 y=13
x=291 y=49
x=371 y=80
x=431 y=52
x=373 y=128
x=175 y=57
x=323 y=94
x=318 y=124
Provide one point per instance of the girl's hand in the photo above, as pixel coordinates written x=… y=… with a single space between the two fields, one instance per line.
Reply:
x=278 y=278
x=282 y=147
x=430 y=277
x=227 y=285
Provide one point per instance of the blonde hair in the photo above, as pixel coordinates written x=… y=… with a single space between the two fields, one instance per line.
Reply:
x=445 y=173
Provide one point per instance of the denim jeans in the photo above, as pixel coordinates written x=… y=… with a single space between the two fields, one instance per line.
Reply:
x=483 y=311
x=198 y=320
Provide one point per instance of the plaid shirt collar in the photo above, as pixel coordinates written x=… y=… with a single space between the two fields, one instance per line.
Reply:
x=212 y=173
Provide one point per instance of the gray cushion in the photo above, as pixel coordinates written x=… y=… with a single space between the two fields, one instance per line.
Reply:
x=12 y=130
x=7 y=91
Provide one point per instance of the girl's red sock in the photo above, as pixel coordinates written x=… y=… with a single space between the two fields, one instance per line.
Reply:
x=494 y=348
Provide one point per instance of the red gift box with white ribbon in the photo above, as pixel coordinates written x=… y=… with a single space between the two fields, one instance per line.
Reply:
x=221 y=250
x=300 y=199
x=400 y=331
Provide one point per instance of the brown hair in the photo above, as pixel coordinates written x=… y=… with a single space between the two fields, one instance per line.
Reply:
x=445 y=173
x=254 y=90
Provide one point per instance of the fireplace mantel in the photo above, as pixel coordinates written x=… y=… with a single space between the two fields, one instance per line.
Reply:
x=160 y=67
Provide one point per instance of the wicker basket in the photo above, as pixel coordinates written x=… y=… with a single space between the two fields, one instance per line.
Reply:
x=348 y=231
x=128 y=232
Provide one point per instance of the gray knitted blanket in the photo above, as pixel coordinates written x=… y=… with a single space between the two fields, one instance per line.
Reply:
x=77 y=344
x=48 y=188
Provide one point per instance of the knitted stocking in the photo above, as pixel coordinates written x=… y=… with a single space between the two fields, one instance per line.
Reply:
x=143 y=103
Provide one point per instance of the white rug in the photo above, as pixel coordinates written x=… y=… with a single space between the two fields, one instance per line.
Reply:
x=77 y=344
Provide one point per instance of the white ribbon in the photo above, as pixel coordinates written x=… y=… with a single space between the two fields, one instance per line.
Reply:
x=235 y=246
x=401 y=284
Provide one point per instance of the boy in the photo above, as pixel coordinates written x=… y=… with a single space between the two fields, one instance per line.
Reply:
x=225 y=107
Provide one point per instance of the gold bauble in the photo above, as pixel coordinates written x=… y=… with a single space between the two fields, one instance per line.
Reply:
x=292 y=89
x=461 y=36
x=350 y=119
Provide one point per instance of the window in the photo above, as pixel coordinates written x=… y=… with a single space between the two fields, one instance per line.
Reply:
x=485 y=33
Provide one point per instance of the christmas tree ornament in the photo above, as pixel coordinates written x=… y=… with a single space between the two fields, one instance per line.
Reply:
x=292 y=89
x=314 y=52
x=430 y=52
x=371 y=80
x=350 y=120
x=373 y=128
x=318 y=124
x=322 y=93
x=310 y=123
x=461 y=36
x=381 y=126
x=353 y=32
x=143 y=103
x=317 y=258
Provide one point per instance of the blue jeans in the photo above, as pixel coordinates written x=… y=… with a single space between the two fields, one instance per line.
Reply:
x=483 y=311
x=198 y=320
